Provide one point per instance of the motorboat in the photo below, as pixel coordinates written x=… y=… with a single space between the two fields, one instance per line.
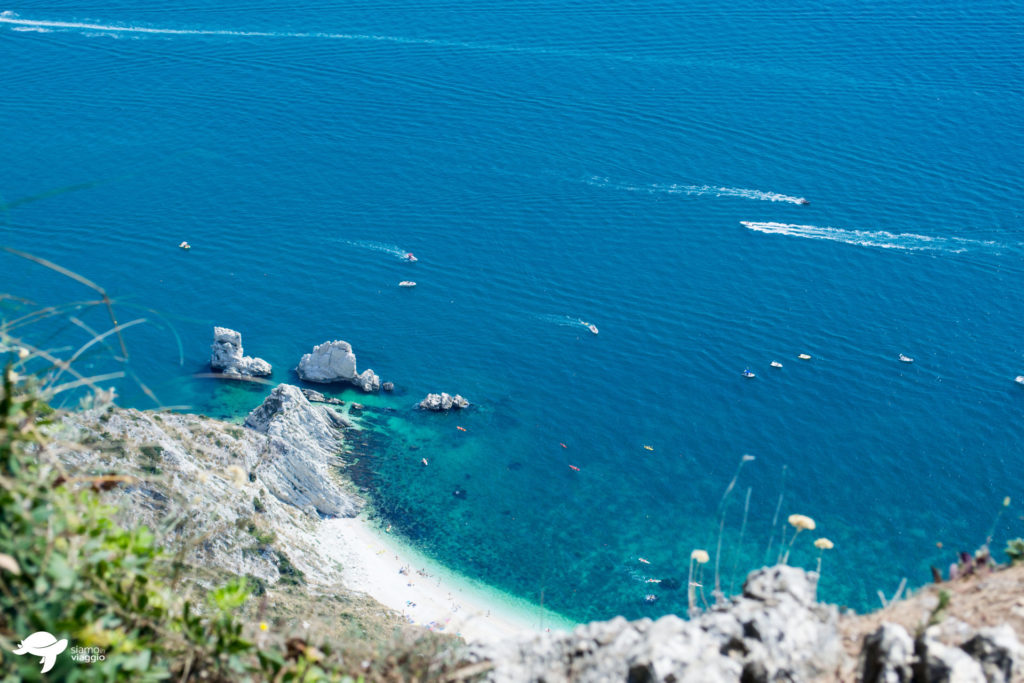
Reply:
x=1019 y=379
x=776 y=364
x=804 y=356
x=410 y=257
x=406 y=283
x=184 y=245
x=906 y=359
x=592 y=327
x=748 y=373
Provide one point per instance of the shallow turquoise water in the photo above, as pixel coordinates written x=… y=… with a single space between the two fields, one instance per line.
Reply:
x=634 y=165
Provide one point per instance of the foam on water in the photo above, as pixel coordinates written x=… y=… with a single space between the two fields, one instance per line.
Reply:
x=873 y=238
x=392 y=249
x=697 y=190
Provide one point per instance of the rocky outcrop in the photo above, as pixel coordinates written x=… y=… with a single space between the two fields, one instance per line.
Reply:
x=775 y=631
x=443 y=402
x=334 y=362
x=226 y=355
x=303 y=442
x=317 y=397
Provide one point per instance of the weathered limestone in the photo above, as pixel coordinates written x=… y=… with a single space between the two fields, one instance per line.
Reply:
x=443 y=402
x=303 y=442
x=774 y=631
x=334 y=362
x=226 y=355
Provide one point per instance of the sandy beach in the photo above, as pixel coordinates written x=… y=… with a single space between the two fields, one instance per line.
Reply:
x=423 y=591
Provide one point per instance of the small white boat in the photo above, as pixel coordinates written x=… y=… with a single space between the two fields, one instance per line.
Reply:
x=409 y=257
x=804 y=356
x=184 y=245
x=406 y=283
x=1019 y=379
x=592 y=328
x=776 y=364
x=748 y=373
x=906 y=359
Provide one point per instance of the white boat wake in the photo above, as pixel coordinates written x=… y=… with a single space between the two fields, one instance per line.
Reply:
x=697 y=190
x=391 y=249
x=871 y=238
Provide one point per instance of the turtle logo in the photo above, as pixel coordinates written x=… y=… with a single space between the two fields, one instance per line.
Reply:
x=42 y=644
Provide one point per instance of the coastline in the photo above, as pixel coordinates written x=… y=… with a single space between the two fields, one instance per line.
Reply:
x=427 y=593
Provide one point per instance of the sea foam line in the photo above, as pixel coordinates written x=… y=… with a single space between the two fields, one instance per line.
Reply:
x=871 y=238
x=697 y=190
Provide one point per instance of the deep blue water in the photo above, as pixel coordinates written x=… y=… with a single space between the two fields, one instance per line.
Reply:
x=637 y=165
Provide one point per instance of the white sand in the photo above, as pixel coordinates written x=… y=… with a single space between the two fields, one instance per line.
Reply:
x=437 y=598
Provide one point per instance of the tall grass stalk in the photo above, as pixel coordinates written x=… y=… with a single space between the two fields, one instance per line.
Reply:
x=721 y=524
x=775 y=520
x=739 y=544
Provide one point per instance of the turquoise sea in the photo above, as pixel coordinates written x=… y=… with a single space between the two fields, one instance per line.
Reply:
x=635 y=165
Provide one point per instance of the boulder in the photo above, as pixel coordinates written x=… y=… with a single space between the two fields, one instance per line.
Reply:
x=317 y=397
x=303 y=442
x=888 y=655
x=996 y=649
x=937 y=661
x=443 y=402
x=774 y=631
x=334 y=362
x=226 y=355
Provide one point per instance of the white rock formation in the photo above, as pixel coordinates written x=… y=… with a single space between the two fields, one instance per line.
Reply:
x=303 y=442
x=443 y=402
x=334 y=362
x=226 y=355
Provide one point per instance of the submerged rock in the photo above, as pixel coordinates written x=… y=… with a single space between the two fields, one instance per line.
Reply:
x=443 y=402
x=226 y=355
x=334 y=362
x=303 y=441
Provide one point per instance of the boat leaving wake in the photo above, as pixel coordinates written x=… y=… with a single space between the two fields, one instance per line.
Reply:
x=871 y=238
x=697 y=190
x=392 y=249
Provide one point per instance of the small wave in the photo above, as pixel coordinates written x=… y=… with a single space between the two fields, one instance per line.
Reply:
x=32 y=29
x=871 y=238
x=697 y=190
x=392 y=249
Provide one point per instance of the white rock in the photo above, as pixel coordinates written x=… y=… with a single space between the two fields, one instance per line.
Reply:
x=304 y=441
x=226 y=355
x=334 y=362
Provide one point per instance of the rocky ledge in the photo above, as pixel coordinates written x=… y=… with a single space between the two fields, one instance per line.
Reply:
x=303 y=441
x=226 y=356
x=334 y=361
x=443 y=402
x=774 y=631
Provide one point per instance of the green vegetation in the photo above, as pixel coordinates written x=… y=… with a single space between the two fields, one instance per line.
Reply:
x=68 y=568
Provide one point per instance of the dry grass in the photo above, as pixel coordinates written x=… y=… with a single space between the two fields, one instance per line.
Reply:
x=989 y=598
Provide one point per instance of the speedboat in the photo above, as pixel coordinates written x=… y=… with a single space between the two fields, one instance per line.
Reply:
x=184 y=245
x=1019 y=379
x=406 y=283
x=804 y=356
x=776 y=364
x=804 y=202
x=749 y=374
x=410 y=257
x=906 y=359
x=592 y=327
